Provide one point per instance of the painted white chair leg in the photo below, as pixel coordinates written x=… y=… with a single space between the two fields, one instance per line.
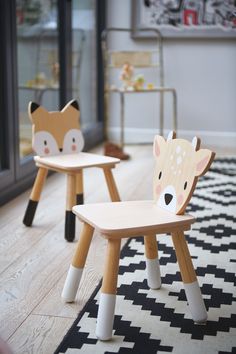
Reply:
x=195 y=301
x=71 y=284
x=105 y=316
x=153 y=273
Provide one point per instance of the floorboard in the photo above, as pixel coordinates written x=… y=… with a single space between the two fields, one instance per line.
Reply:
x=34 y=261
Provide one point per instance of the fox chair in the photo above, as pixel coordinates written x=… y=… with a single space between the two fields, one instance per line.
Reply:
x=58 y=141
x=179 y=163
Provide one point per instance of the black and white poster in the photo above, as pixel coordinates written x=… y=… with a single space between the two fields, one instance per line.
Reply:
x=186 y=18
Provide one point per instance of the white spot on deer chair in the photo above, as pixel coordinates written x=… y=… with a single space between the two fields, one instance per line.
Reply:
x=134 y=218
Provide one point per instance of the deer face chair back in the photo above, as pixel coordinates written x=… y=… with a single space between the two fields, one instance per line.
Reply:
x=56 y=133
x=179 y=163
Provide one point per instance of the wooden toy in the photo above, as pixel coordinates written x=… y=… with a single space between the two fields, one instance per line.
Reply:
x=126 y=75
x=179 y=163
x=58 y=142
x=138 y=82
x=128 y=80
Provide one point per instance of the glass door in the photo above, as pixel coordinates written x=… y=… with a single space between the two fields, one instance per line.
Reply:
x=87 y=84
x=7 y=134
x=37 y=64
x=49 y=55
x=84 y=80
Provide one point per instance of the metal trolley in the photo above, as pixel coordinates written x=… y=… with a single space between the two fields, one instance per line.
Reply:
x=138 y=59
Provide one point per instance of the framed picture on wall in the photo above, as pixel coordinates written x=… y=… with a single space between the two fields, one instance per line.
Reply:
x=185 y=18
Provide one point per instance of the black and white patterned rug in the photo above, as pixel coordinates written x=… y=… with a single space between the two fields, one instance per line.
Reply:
x=158 y=321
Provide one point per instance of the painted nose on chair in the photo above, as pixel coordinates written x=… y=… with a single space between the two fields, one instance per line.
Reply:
x=168 y=198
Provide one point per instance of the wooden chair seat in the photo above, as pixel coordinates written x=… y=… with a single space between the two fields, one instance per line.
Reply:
x=131 y=218
x=75 y=162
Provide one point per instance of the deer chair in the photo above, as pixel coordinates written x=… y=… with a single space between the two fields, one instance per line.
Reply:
x=58 y=142
x=179 y=163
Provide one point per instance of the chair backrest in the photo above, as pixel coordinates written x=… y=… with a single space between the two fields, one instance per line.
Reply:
x=178 y=165
x=56 y=133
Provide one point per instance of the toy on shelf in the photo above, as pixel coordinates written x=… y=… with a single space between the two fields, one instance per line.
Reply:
x=179 y=163
x=40 y=81
x=126 y=75
x=131 y=82
x=138 y=82
x=55 y=69
x=150 y=86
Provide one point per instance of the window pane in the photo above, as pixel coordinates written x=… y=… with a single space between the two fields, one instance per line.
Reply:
x=84 y=59
x=37 y=66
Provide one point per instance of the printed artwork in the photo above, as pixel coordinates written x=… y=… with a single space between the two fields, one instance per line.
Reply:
x=188 y=15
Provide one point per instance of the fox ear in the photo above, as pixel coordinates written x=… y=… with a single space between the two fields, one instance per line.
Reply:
x=36 y=111
x=204 y=158
x=72 y=104
x=33 y=106
x=159 y=145
x=75 y=104
x=72 y=110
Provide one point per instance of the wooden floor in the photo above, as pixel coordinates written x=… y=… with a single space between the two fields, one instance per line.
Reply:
x=34 y=261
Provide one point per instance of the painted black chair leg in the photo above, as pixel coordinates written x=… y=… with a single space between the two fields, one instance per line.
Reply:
x=70 y=226
x=30 y=212
x=80 y=198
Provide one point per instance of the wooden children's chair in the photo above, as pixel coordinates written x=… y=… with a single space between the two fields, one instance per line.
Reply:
x=58 y=141
x=179 y=163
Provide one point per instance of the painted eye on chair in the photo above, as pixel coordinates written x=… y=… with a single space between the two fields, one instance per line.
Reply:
x=73 y=141
x=185 y=185
x=44 y=144
x=160 y=174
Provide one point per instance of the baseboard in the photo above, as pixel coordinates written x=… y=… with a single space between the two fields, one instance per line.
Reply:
x=144 y=136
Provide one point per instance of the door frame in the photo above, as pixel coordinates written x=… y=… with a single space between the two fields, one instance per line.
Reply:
x=18 y=175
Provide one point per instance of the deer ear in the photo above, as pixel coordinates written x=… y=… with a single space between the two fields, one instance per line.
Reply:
x=204 y=159
x=171 y=135
x=159 y=145
x=35 y=111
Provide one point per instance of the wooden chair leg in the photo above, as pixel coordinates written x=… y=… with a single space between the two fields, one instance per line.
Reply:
x=70 y=202
x=77 y=265
x=79 y=188
x=192 y=289
x=152 y=262
x=107 y=301
x=34 y=196
x=111 y=184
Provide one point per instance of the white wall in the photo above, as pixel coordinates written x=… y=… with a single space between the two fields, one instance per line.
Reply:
x=204 y=75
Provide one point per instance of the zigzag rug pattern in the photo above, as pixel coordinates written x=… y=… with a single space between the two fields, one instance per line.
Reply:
x=158 y=321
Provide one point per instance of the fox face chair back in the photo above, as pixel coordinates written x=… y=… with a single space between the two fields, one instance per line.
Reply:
x=58 y=142
x=179 y=163
x=56 y=133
